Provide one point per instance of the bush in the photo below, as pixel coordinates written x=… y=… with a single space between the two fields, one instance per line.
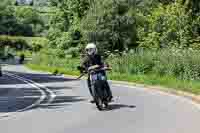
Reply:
x=47 y=58
x=14 y=42
x=166 y=26
x=138 y=62
x=30 y=43
x=37 y=43
x=73 y=51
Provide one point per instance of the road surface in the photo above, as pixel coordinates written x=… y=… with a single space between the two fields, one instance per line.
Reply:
x=35 y=102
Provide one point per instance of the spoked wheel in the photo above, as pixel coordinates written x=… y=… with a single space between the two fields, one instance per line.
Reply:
x=99 y=104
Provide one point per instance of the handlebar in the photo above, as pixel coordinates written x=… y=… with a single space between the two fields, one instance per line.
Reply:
x=94 y=68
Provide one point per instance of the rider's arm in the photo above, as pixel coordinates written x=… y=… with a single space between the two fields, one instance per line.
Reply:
x=84 y=62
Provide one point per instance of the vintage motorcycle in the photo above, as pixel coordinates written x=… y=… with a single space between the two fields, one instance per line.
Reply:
x=98 y=84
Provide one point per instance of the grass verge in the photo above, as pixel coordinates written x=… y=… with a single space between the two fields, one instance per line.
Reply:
x=149 y=79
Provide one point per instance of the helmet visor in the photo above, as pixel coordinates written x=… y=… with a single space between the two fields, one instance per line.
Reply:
x=90 y=51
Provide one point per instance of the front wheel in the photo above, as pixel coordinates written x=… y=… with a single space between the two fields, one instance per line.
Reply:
x=99 y=104
x=106 y=104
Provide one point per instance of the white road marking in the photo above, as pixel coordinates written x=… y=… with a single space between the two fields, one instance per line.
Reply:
x=43 y=95
x=38 y=86
x=41 y=98
x=52 y=95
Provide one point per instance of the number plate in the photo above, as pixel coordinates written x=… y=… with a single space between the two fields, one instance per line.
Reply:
x=98 y=76
x=94 y=76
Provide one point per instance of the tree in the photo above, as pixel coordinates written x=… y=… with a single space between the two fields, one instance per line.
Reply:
x=67 y=21
x=29 y=16
x=111 y=24
x=193 y=5
x=167 y=26
x=8 y=21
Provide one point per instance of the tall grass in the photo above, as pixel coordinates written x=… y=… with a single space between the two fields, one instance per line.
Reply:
x=62 y=65
x=182 y=64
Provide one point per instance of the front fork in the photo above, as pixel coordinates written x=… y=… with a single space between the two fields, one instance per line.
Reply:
x=92 y=86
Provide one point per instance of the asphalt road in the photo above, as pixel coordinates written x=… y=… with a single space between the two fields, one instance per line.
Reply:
x=34 y=102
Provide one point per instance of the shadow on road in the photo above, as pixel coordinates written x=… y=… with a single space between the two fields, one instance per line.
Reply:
x=14 y=104
x=14 y=99
x=17 y=95
x=119 y=106
x=61 y=101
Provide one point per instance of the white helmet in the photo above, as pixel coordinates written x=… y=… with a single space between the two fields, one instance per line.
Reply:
x=91 y=49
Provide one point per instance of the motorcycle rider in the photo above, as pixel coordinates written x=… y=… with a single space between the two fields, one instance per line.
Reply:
x=93 y=58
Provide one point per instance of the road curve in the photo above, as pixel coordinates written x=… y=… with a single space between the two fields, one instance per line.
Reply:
x=135 y=110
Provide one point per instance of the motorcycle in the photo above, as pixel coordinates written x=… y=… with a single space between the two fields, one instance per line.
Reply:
x=98 y=85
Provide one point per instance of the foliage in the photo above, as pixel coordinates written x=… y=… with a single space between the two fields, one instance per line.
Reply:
x=64 y=29
x=170 y=28
x=178 y=70
x=9 y=24
x=73 y=51
x=14 y=42
x=29 y=16
x=50 y=58
x=182 y=64
x=166 y=26
x=124 y=24
x=31 y=43
x=111 y=24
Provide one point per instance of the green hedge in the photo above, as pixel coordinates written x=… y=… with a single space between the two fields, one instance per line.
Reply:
x=32 y=43
x=15 y=42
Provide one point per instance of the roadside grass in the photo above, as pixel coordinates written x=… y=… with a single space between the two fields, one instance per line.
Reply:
x=151 y=79
x=175 y=69
x=52 y=69
x=166 y=81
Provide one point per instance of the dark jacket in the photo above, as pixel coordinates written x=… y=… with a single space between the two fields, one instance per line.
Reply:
x=88 y=61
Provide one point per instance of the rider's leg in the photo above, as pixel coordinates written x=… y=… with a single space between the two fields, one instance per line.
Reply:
x=90 y=89
x=89 y=86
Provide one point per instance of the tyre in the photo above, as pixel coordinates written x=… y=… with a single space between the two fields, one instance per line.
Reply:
x=99 y=104
x=106 y=104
